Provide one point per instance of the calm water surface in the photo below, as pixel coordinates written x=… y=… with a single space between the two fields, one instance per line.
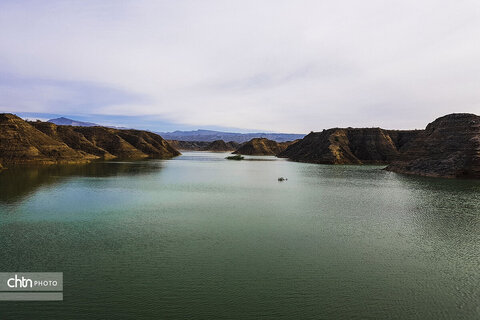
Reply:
x=201 y=237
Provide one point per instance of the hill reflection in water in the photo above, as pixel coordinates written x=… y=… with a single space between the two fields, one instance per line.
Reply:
x=19 y=182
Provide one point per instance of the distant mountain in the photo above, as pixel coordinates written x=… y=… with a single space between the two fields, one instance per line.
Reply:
x=62 y=121
x=197 y=135
x=210 y=135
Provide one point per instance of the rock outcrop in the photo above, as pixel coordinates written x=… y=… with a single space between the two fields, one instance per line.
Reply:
x=449 y=147
x=402 y=137
x=349 y=146
x=262 y=147
x=44 y=142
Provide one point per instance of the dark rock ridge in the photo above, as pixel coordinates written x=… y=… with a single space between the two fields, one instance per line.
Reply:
x=44 y=142
x=349 y=146
x=401 y=137
x=188 y=145
x=448 y=147
x=220 y=145
x=262 y=147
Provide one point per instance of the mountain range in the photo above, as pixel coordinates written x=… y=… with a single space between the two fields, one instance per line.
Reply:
x=211 y=135
x=62 y=121
x=196 y=135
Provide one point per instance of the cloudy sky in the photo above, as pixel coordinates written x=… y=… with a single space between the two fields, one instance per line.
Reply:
x=272 y=65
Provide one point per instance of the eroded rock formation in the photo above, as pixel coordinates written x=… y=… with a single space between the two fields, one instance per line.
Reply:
x=448 y=147
x=349 y=146
x=188 y=145
x=43 y=142
x=262 y=147
x=220 y=145
x=20 y=142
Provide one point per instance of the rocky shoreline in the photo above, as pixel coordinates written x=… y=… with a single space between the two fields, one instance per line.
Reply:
x=448 y=147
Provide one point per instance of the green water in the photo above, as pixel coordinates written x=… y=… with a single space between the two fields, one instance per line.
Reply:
x=201 y=237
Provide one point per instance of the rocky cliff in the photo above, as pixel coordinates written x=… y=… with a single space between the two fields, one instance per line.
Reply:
x=349 y=146
x=402 y=137
x=44 y=142
x=262 y=147
x=449 y=147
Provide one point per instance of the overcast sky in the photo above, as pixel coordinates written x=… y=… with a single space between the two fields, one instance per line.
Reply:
x=273 y=65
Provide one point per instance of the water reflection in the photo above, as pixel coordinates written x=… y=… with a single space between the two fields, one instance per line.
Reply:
x=18 y=182
x=445 y=208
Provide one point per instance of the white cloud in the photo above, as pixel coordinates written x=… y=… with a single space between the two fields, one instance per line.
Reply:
x=270 y=64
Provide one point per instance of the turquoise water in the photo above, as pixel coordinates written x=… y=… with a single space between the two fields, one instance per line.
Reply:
x=201 y=237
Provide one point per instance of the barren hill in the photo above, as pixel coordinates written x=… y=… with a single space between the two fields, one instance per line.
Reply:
x=20 y=142
x=262 y=147
x=449 y=147
x=44 y=142
x=349 y=146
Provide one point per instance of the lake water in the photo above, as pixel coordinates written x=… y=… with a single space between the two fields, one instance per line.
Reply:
x=201 y=237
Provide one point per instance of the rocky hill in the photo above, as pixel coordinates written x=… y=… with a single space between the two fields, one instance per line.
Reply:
x=110 y=143
x=188 y=145
x=349 y=146
x=262 y=147
x=20 y=142
x=217 y=145
x=220 y=145
x=449 y=147
x=44 y=142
